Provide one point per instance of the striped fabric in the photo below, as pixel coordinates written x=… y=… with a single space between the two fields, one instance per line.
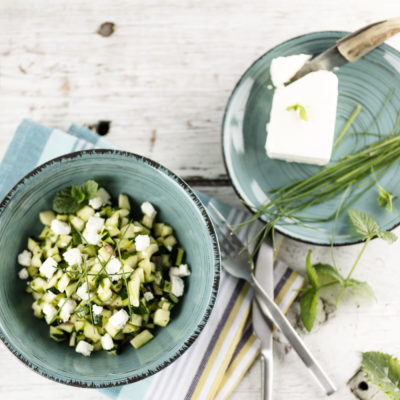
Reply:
x=226 y=348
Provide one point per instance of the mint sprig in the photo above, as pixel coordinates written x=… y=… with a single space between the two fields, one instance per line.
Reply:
x=324 y=275
x=385 y=198
x=73 y=198
x=383 y=370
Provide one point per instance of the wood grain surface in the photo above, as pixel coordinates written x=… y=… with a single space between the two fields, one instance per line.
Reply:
x=161 y=73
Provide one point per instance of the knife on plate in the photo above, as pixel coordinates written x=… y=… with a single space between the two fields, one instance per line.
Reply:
x=262 y=326
x=351 y=47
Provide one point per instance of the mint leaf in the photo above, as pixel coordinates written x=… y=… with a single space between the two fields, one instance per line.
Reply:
x=362 y=286
x=327 y=274
x=389 y=237
x=301 y=110
x=385 y=199
x=308 y=308
x=90 y=189
x=65 y=203
x=383 y=370
x=311 y=273
x=363 y=223
x=77 y=194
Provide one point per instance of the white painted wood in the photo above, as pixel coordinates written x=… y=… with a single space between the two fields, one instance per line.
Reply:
x=169 y=68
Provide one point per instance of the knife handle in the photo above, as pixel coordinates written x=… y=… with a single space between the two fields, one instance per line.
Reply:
x=266 y=371
x=354 y=45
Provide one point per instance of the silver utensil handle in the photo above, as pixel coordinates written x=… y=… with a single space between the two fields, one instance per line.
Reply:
x=269 y=307
x=267 y=374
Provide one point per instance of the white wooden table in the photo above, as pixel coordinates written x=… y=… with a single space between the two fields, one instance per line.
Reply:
x=163 y=79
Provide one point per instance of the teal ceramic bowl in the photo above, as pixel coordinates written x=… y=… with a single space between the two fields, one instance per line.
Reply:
x=143 y=180
x=366 y=82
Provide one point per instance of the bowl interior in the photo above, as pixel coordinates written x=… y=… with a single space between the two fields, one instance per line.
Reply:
x=142 y=180
x=366 y=82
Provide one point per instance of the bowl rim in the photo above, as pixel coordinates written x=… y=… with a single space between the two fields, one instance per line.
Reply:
x=216 y=257
x=223 y=134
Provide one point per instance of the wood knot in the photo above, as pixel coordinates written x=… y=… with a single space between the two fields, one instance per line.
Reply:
x=106 y=29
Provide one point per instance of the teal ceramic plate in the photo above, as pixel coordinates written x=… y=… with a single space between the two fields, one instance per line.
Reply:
x=367 y=82
x=143 y=180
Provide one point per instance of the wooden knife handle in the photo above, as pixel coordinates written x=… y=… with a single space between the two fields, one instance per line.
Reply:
x=356 y=44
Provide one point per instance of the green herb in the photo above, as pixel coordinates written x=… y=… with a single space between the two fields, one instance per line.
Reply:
x=383 y=370
x=71 y=199
x=347 y=125
x=353 y=173
x=309 y=300
x=324 y=275
x=301 y=110
x=385 y=199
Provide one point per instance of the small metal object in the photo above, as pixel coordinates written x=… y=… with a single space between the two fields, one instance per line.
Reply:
x=351 y=47
x=236 y=263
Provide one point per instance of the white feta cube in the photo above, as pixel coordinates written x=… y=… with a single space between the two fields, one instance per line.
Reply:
x=49 y=311
x=113 y=268
x=92 y=237
x=60 y=227
x=177 y=285
x=97 y=309
x=84 y=348
x=119 y=319
x=148 y=209
x=142 y=242
x=282 y=69
x=95 y=224
x=107 y=342
x=294 y=139
x=25 y=258
x=73 y=256
x=148 y=296
x=48 y=267
x=23 y=273
x=49 y=296
x=102 y=198
x=181 y=271
x=82 y=292
x=67 y=308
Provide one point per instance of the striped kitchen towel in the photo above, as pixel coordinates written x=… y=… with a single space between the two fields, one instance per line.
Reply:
x=226 y=348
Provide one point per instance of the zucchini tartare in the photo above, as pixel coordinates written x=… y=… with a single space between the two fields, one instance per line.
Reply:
x=100 y=275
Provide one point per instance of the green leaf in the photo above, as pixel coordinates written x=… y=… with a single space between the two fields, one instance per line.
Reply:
x=90 y=189
x=308 y=308
x=65 y=203
x=389 y=237
x=363 y=223
x=301 y=110
x=385 y=199
x=311 y=273
x=364 y=287
x=77 y=194
x=383 y=370
x=326 y=273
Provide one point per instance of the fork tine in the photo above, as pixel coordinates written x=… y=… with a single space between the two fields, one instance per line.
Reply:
x=234 y=238
x=227 y=240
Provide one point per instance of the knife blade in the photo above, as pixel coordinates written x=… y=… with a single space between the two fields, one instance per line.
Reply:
x=351 y=47
x=262 y=326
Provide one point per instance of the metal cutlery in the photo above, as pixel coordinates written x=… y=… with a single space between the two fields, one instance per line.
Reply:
x=236 y=263
x=351 y=47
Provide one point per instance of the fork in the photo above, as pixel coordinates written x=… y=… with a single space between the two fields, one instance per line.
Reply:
x=236 y=263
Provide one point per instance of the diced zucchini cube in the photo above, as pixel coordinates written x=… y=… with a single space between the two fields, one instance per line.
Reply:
x=123 y=202
x=85 y=213
x=77 y=222
x=46 y=217
x=161 y=317
x=141 y=339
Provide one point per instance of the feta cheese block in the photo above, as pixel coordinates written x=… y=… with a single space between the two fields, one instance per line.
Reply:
x=282 y=69
x=293 y=138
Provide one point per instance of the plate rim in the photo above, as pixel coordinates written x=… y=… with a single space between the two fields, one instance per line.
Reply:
x=223 y=129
